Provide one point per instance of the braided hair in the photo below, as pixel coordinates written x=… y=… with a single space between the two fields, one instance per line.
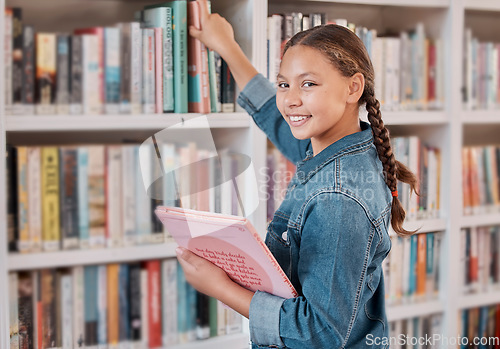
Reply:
x=348 y=54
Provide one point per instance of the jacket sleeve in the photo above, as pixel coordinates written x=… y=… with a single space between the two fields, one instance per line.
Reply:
x=258 y=98
x=335 y=249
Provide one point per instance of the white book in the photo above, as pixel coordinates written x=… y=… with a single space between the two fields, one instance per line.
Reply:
x=8 y=61
x=221 y=318
x=102 y=304
x=97 y=196
x=274 y=24
x=112 y=47
x=114 y=201
x=148 y=71
x=169 y=301
x=432 y=179
x=414 y=166
x=136 y=71
x=234 y=322
x=36 y=294
x=34 y=199
x=467 y=68
x=67 y=310
x=78 y=307
x=128 y=194
x=90 y=75
x=440 y=74
x=13 y=311
x=143 y=175
x=405 y=71
x=406 y=270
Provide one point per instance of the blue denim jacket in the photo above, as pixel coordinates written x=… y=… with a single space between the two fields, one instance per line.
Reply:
x=329 y=235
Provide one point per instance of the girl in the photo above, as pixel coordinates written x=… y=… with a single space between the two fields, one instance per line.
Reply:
x=330 y=235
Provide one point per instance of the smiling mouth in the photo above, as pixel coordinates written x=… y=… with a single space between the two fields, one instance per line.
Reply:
x=299 y=118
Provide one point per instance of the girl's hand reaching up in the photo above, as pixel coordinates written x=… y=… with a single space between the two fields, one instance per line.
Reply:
x=217 y=34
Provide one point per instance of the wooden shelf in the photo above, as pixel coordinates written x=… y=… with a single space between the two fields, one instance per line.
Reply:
x=417 y=309
x=29 y=261
x=43 y=123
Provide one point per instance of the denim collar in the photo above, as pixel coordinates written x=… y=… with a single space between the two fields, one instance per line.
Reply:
x=356 y=141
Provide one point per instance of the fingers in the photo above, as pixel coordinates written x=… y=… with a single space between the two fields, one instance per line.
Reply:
x=194 y=32
x=204 y=13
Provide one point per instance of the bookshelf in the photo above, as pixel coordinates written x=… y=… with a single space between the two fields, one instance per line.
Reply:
x=449 y=129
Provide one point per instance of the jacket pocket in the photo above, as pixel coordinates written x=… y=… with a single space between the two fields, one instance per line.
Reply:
x=278 y=241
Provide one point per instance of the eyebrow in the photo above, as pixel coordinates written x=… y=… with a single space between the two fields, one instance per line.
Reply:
x=279 y=76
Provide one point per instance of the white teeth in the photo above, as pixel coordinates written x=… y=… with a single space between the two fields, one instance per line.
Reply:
x=297 y=118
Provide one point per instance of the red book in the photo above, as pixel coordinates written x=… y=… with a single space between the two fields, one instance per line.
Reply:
x=154 y=305
x=198 y=86
x=159 y=69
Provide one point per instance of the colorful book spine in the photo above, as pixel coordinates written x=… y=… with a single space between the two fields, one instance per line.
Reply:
x=24 y=243
x=13 y=311
x=25 y=310
x=113 y=304
x=76 y=71
x=180 y=52
x=102 y=307
x=158 y=70
x=28 y=86
x=45 y=73
x=78 y=307
x=97 y=60
x=148 y=70
x=66 y=299
x=63 y=74
x=198 y=84
x=91 y=308
x=112 y=49
x=114 y=216
x=96 y=195
x=162 y=17
x=8 y=59
x=68 y=176
x=135 y=302
x=91 y=98
x=17 y=57
x=51 y=232
x=48 y=314
x=169 y=301
x=83 y=197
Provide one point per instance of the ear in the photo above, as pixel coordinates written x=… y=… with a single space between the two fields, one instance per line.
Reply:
x=356 y=88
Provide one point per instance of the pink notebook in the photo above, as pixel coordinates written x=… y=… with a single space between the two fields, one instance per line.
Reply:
x=231 y=243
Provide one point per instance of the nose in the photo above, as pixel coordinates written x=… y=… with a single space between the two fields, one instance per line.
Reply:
x=292 y=97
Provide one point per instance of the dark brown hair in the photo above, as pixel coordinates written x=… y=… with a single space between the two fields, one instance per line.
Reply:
x=348 y=54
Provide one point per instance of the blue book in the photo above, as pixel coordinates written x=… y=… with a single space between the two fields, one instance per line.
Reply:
x=123 y=303
x=465 y=326
x=180 y=53
x=413 y=265
x=90 y=308
x=83 y=196
x=112 y=69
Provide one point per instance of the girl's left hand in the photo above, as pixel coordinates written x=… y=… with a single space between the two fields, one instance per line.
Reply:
x=202 y=274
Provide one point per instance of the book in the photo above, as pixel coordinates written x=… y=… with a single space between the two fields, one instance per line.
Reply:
x=231 y=243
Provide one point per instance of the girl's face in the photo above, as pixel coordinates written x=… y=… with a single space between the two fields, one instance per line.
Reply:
x=314 y=98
